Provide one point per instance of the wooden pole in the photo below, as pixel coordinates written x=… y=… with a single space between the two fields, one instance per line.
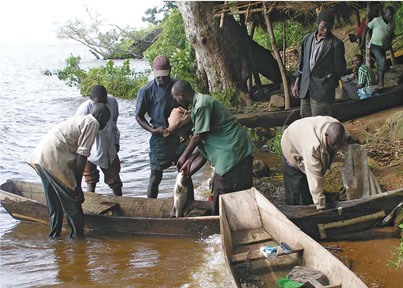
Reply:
x=367 y=52
x=284 y=43
x=278 y=57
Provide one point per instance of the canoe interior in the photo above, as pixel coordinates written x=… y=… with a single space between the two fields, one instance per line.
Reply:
x=249 y=221
x=110 y=204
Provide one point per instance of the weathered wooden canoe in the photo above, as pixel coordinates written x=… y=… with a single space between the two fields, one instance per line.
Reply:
x=342 y=110
x=344 y=217
x=250 y=221
x=26 y=201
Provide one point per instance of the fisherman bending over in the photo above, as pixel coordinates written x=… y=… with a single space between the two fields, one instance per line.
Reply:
x=59 y=160
x=219 y=138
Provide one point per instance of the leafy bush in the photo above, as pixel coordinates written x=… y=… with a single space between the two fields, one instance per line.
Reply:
x=172 y=43
x=72 y=74
x=274 y=144
x=294 y=34
x=230 y=98
x=119 y=81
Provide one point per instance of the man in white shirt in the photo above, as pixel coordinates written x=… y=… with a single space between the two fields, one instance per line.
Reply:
x=59 y=160
x=104 y=152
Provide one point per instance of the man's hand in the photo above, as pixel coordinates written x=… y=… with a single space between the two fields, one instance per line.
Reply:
x=79 y=195
x=185 y=169
x=295 y=90
x=117 y=148
x=159 y=131
x=181 y=161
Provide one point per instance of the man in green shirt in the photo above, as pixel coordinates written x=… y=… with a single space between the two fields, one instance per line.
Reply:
x=219 y=138
x=382 y=30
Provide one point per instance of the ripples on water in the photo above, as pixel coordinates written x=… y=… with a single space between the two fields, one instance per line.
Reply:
x=31 y=104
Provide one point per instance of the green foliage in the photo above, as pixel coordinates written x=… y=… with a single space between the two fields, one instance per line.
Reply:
x=274 y=144
x=399 y=19
x=230 y=98
x=173 y=43
x=152 y=13
x=119 y=81
x=72 y=74
x=253 y=135
x=293 y=36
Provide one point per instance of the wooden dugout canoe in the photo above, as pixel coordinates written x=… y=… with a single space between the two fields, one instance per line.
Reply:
x=342 y=110
x=26 y=201
x=249 y=221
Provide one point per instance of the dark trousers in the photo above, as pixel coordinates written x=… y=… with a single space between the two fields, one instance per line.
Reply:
x=61 y=200
x=238 y=178
x=296 y=185
x=111 y=174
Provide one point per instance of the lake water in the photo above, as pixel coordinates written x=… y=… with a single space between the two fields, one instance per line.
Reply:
x=32 y=103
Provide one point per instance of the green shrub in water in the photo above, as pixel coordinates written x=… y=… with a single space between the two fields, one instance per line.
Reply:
x=119 y=81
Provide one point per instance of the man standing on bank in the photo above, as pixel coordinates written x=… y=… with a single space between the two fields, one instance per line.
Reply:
x=381 y=40
x=219 y=138
x=321 y=64
x=59 y=159
x=105 y=151
x=156 y=100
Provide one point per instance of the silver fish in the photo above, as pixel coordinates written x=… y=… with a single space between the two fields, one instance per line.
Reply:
x=183 y=193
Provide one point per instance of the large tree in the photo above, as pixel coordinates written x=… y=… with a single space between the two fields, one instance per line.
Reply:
x=226 y=56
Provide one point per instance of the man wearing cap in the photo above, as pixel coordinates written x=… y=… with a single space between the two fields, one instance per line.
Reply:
x=156 y=100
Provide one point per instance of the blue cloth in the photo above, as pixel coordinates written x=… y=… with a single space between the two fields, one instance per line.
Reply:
x=164 y=151
x=366 y=92
x=157 y=102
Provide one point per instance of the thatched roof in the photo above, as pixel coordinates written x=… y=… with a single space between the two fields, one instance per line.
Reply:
x=304 y=12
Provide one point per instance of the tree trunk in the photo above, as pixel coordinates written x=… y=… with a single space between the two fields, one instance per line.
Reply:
x=224 y=57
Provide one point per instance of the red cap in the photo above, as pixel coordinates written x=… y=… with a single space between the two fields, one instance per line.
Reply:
x=161 y=66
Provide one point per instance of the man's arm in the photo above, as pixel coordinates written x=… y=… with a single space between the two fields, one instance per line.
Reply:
x=145 y=125
x=189 y=149
x=339 y=61
x=80 y=163
x=298 y=73
x=141 y=109
x=193 y=163
x=313 y=171
x=115 y=126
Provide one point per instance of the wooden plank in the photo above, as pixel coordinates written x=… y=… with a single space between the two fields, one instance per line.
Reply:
x=242 y=213
x=315 y=256
x=254 y=255
x=245 y=237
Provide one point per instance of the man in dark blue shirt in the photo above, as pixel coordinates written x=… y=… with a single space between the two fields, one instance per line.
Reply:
x=156 y=100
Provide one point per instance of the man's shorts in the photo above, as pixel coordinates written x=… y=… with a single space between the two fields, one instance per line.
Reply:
x=165 y=151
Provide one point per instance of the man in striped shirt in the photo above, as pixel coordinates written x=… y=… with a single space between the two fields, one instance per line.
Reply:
x=361 y=83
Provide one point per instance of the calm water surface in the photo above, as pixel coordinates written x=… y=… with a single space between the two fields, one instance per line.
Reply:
x=30 y=105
